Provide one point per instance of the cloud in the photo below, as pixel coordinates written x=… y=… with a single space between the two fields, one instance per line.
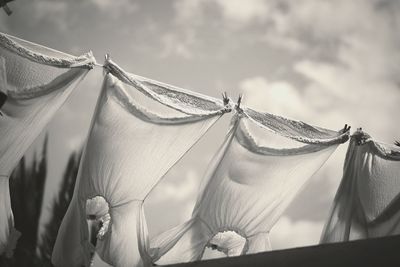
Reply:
x=288 y=233
x=233 y=11
x=348 y=67
x=358 y=83
x=278 y=97
x=176 y=45
x=243 y=12
x=3 y=21
x=175 y=196
x=208 y=24
x=116 y=9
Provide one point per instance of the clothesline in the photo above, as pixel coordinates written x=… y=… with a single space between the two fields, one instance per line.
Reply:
x=264 y=161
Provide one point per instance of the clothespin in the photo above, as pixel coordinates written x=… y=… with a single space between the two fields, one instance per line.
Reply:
x=346 y=128
x=106 y=59
x=397 y=143
x=3 y=99
x=239 y=101
x=226 y=101
x=3 y=4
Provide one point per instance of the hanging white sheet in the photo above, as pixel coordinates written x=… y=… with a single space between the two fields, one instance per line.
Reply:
x=367 y=203
x=248 y=185
x=35 y=81
x=141 y=128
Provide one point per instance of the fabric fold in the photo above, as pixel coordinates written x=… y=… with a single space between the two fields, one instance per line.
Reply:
x=367 y=203
x=176 y=98
x=249 y=183
x=133 y=142
x=297 y=130
x=35 y=81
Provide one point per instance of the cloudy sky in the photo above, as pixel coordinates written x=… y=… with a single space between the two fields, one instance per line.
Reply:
x=325 y=62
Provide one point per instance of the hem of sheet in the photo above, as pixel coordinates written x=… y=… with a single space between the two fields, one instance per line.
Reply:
x=296 y=130
x=246 y=140
x=175 y=101
x=127 y=102
x=63 y=80
x=86 y=60
x=392 y=153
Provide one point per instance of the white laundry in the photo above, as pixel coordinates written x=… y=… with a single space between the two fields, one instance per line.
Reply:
x=37 y=81
x=367 y=203
x=257 y=172
x=140 y=129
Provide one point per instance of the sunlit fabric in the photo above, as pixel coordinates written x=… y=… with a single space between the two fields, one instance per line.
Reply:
x=34 y=82
x=228 y=242
x=250 y=182
x=141 y=128
x=367 y=203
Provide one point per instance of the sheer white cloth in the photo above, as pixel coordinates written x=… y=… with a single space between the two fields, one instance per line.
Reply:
x=249 y=183
x=367 y=203
x=37 y=81
x=141 y=128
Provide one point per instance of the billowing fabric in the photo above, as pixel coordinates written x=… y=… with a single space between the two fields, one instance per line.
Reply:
x=35 y=81
x=250 y=182
x=141 y=128
x=228 y=242
x=367 y=203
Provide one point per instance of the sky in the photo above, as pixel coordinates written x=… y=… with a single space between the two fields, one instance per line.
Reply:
x=324 y=62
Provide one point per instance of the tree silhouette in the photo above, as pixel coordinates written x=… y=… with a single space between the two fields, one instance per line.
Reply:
x=27 y=185
x=59 y=208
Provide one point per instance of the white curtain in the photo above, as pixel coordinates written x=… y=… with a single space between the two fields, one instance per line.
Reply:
x=259 y=169
x=141 y=128
x=367 y=203
x=37 y=81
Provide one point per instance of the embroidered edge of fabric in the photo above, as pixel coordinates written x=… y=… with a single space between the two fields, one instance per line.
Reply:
x=38 y=91
x=296 y=130
x=127 y=102
x=386 y=151
x=137 y=82
x=245 y=139
x=86 y=60
x=389 y=153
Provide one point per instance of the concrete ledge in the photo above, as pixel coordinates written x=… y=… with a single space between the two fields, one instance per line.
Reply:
x=379 y=252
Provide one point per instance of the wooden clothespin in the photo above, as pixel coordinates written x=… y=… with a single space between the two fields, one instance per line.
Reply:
x=346 y=128
x=239 y=101
x=226 y=101
x=3 y=4
x=105 y=66
x=225 y=98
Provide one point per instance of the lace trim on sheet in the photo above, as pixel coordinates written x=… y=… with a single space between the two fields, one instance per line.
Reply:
x=387 y=151
x=37 y=91
x=85 y=61
x=176 y=98
x=246 y=140
x=296 y=130
x=128 y=103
